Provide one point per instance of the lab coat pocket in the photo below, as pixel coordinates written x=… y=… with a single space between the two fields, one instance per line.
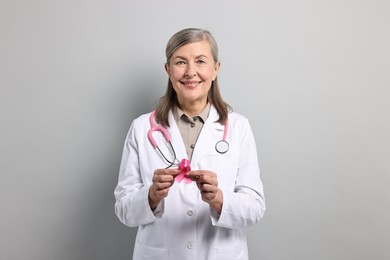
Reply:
x=144 y=252
x=230 y=253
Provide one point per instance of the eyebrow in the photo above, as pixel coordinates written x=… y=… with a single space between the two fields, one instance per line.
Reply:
x=197 y=57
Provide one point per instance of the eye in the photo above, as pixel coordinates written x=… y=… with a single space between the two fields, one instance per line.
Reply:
x=200 y=62
x=180 y=62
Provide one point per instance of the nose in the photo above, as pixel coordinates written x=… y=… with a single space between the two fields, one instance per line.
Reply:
x=190 y=71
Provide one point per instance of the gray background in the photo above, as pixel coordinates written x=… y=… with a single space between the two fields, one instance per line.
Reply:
x=312 y=77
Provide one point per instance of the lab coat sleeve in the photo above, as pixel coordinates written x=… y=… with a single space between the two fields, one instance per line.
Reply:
x=244 y=206
x=132 y=205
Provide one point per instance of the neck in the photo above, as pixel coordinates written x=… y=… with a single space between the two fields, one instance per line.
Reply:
x=192 y=108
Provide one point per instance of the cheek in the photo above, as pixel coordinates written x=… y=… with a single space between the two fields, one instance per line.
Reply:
x=175 y=73
x=206 y=74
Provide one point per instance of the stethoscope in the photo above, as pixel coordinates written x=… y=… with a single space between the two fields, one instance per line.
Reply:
x=222 y=146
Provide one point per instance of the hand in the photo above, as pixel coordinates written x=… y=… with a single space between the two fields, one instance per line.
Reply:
x=208 y=185
x=163 y=179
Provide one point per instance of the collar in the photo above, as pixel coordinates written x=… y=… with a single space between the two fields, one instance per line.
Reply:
x=178 y=113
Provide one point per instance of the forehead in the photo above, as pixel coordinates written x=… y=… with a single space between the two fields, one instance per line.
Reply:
x=201 y=48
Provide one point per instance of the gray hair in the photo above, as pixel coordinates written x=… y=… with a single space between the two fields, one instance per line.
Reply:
x=190 y=35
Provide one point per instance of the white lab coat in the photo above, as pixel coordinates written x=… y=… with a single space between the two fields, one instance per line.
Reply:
x=183 y=226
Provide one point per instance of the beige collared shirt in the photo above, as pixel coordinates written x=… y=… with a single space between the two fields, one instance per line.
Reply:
x=190 y=127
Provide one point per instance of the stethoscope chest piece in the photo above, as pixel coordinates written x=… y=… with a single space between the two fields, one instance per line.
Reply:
x=222 y=146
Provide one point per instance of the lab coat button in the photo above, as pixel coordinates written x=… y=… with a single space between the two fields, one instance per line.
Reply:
x=190 y=245
x=190 y=212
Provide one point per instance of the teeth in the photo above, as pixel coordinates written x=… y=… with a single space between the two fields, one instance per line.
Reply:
x=190 y=84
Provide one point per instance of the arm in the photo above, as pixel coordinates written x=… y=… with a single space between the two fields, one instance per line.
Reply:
x=244 y=206
x=132 y=204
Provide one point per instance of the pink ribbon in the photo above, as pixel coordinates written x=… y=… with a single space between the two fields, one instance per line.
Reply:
x=184 y=167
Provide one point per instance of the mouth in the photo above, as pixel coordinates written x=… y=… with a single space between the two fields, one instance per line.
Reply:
x=190 y=84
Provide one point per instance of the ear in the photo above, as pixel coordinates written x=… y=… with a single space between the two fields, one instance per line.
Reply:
x=216 y=69
x=166 y=66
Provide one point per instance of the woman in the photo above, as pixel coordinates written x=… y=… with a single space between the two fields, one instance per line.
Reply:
x=197 y=213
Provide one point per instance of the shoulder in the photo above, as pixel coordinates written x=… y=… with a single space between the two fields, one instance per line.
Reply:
x=238 y=122
x=141 y=122
x=142 y=118
x=237 y=118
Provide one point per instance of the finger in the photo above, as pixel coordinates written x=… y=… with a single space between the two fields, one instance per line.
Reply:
x=208 y=196
x=205 y=187
x=171 y=172
x=207 y=180
x=157 y=195
x=159 y=172
x=162 y=178
x=195 y=178
x=204 y=176
x=162 y=185
x=195 y=175
x=162 y=193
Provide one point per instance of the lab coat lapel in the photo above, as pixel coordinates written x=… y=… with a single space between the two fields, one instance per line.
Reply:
x=176 y=139
x=211 y=133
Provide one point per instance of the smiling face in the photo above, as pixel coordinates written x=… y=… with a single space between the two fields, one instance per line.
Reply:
x=192 y=70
